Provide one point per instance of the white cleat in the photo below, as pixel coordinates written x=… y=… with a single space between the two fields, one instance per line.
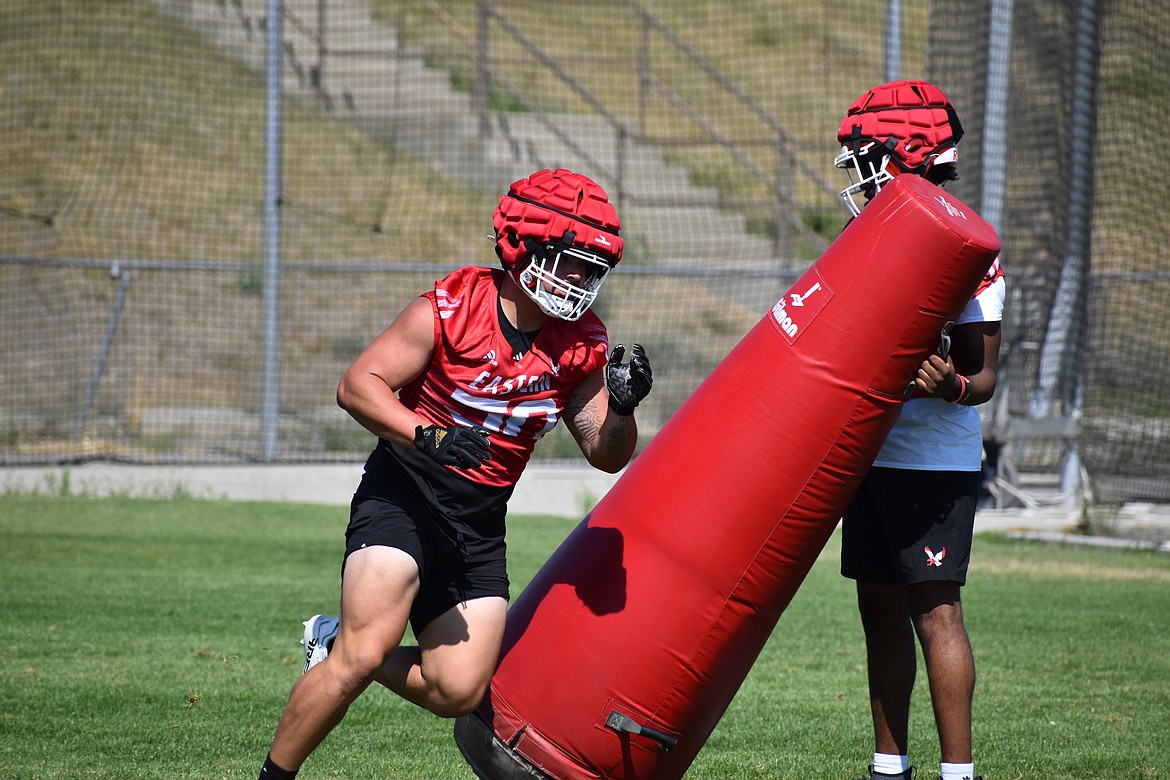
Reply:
x=320 y=631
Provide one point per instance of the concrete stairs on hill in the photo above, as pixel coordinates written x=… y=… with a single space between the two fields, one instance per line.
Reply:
x=370 y=80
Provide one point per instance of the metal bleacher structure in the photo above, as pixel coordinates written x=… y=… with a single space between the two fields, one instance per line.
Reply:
x=339 y=57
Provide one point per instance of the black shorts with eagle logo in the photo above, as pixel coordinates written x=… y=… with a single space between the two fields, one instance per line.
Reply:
x=905 y=527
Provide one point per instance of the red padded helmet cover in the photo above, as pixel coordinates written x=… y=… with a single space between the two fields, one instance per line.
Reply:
x=916 y=114
x=546 y=205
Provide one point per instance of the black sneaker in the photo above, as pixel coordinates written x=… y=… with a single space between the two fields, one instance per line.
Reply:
x=907 y=775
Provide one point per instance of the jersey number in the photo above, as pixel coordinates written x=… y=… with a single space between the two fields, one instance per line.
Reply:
x=508 y=417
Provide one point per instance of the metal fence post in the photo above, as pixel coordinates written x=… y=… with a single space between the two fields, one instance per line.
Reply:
x=644 y=77
x=893 y=40
x=270 y=406
x=995 y=138
x=1060 y=358
x=994 y=177
x=481 y=99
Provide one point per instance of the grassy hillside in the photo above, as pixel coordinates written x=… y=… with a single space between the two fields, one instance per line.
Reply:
x=127 y=136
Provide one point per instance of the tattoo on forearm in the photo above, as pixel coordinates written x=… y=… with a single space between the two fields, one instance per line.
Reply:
x=618 y=437
x=589 y=425
x=589 y=419
x=575 y=405
x=586 y=417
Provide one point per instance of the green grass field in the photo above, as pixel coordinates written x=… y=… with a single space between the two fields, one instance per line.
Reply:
x=158 y=639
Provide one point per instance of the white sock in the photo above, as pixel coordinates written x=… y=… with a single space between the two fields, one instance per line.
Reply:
x=888 y=764
x=957 y=771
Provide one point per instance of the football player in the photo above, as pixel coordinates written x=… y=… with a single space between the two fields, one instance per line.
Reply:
x=459 y=389
x=906 y=536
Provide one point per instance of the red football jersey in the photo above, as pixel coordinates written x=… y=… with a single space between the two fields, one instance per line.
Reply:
x=475 y=378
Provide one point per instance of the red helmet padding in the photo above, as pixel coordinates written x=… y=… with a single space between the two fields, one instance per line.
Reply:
x=543 y=206
x=915 y=113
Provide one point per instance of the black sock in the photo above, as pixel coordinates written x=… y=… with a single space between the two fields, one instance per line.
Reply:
x=271 y=771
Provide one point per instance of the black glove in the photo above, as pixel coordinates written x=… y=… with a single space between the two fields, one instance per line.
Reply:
x=461 y=446
x=628 y=383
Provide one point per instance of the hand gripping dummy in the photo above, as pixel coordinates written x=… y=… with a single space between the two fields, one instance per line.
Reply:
x=624 y=651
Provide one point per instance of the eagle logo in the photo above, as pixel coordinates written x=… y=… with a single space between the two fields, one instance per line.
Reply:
x=934 y=559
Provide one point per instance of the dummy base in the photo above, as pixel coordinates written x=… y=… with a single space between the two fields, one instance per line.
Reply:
x=488 y=757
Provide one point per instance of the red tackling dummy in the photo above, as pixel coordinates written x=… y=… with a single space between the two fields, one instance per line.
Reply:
x=627 y=647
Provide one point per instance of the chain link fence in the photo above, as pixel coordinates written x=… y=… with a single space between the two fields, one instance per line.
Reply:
x=151 y=314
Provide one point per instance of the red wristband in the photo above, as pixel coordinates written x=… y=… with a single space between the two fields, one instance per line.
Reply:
x=964 y=390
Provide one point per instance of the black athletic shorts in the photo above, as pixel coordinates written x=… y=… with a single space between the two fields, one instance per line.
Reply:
x=456 y=561
x=905 y=527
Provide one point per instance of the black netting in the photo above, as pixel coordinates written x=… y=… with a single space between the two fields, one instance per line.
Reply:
x=132 y=211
